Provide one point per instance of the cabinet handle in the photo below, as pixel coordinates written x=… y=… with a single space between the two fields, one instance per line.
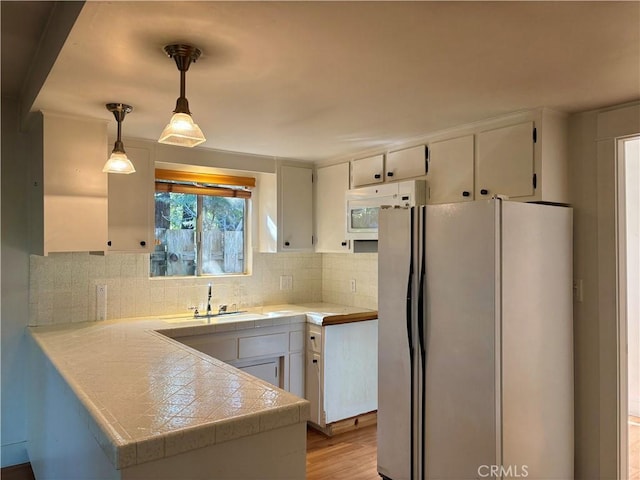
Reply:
x=312 y=338
x=314 y=361
x=377 y=176
x=286 y=244
x=143 y=243
x=389 y=174
x=109 y=243
x=484 y=191
x=344 y=244
x=465 y=194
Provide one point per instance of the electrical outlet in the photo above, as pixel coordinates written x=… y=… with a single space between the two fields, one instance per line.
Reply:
x=286 y=282
x=353 y=285
x=101 y=302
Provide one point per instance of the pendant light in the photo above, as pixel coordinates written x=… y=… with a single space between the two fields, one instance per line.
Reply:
x=181 y=130
x=118 y=161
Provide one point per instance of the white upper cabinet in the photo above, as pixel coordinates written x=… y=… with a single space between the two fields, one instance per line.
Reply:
x=331 y=184
x=367 y=171
x=450 y=177
x=295 y=208
x=69 y=197
x=526 y=160
x=407 y=163
x=131 y=205
x=505 y=161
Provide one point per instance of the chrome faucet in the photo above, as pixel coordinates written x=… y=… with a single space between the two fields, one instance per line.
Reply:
x=209 y=302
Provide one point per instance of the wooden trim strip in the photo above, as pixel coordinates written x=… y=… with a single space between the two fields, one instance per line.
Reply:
x=192 y=189
x=210 y=178
x=349 y=318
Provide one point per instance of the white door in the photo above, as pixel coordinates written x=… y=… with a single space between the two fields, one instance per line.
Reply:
x=407 y=163
x=504 y=162
x=331 y=184
x=131 y=205
x=460 y=375
x=267 y=371
x=366 y=171
x=296 y=208
x=313 y=381
x=394 y=362
x=450 y=176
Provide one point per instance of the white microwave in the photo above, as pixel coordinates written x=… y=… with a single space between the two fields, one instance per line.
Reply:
x=363 y=205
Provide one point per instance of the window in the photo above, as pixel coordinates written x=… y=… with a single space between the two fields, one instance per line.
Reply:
x=200 y=224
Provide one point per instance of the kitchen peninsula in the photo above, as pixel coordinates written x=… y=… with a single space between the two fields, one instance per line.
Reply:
x=122 y=399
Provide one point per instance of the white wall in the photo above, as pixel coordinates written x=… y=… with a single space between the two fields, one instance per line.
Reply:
x=593 y=176
x=632 y=190
x=15 y=283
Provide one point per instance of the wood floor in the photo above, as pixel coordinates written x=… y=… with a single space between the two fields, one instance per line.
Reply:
x=349 y=456
x=352 y=455
x=634 y=448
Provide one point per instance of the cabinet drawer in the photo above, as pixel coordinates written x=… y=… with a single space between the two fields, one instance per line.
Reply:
x=263 y=345
x=224 y=349
x=314 y=339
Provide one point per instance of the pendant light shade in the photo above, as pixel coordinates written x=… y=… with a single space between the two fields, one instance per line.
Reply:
x=118 y=162
x=181 y=129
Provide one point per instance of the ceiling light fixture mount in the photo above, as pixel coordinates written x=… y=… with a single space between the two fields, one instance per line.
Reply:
x=181 y=130
x=118 y=162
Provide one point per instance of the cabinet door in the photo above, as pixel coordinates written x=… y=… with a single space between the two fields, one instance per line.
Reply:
x=367 y=171
x=450 y=174
x=505 y=161
x=131 y=205
x=75 y=203
x=296 y=373
x=296 y=208
x=331 y=184
x=407 y=163
x=267 y=371
x=313 y=393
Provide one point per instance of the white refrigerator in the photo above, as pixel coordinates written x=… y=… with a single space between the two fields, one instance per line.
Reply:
x=475 y=344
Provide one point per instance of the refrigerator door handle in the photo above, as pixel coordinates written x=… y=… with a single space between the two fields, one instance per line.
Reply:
x=421 y=333
x=409 y=314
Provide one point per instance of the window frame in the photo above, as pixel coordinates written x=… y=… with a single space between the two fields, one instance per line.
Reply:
x=201 y=185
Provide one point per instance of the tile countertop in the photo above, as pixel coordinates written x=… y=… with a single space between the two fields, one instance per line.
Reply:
x=147 y=396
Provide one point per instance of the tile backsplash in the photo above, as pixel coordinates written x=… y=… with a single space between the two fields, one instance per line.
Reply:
x=339 y=270
x=63 y=285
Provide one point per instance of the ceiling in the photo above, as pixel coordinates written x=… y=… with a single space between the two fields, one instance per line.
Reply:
x=325 y=80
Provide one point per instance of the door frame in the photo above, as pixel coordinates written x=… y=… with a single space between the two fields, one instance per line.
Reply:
x=621 y=307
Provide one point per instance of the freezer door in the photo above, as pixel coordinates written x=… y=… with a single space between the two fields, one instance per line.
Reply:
x=394 y=369
x=460 y=375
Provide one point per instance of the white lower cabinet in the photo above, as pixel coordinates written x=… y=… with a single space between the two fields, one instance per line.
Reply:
x=266 y=370
x=274 y=354
x=342 y=370
x=313 y=390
